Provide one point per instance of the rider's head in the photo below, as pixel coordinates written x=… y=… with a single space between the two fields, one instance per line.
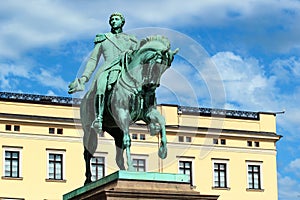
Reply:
x=114 y=16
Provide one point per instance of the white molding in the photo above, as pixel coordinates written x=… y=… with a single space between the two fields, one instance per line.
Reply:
x=143 y=157
x=58 y=151
x=260 y=164
x=223 y=161
x=189 y=159
x=12 y=148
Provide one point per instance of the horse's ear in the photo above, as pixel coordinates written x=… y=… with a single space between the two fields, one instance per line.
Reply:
x=175 y=51
x=142 y=42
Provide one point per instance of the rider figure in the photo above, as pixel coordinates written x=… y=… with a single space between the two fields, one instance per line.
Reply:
x=111 y=45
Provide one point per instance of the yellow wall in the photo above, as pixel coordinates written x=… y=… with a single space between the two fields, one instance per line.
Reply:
x=35 y=139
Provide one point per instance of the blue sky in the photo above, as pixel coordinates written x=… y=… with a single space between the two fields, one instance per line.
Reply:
x=253 y=47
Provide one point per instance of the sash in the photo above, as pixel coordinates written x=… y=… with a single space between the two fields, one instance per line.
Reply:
x=109 y=36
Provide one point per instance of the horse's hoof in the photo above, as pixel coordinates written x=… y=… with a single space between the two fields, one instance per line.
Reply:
x=163 y=152
x=87 y=182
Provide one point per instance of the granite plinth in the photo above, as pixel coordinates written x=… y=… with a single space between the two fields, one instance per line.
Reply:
x=138 y=185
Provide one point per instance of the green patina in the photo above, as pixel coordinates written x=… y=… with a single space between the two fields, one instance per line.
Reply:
x=123 y=90
x=126 y=175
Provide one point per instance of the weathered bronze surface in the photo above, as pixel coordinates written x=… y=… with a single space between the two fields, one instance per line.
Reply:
x=123 y=90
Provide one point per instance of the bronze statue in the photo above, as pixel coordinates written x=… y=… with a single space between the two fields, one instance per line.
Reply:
x=123 y=91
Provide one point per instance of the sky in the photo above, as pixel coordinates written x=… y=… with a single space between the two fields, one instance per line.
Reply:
x=241 y=55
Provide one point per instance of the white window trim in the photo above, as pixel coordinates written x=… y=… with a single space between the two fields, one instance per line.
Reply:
x=19 y=149
x=58 y=151
x=260 y=163
x=190 y=159
x=101 y=154
x=139 y=156
x=223 y=161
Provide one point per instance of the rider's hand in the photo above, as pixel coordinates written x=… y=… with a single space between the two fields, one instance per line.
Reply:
x=77 y=85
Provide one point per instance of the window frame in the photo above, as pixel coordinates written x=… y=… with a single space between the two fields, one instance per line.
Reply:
x=103 y=155
x=192 y=175
x=63 y=170
x=260 y=165
x=20 y=164
x=227 y=182
x=141 y=157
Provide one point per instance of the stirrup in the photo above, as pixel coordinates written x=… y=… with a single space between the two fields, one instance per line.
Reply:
x=97 y=124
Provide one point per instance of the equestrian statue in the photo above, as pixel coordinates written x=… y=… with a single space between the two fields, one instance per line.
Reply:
x=123 y=90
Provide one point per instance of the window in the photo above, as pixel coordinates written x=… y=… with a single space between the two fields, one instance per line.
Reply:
x=134 y=136
x=215 y=141
x=188 y=139
x=55 y=166
x=8 y=127
x=142 y=137
x=185 y=167
x=139 y=165
x=16 y=128
x=254 y=177
x=256 y=144
x=97 y=169
x=223 y=141
x=184 y=138
x=220 y=175
x=51 y=130
x=12 y=164
x=249 y=143
x=60 y=131
x=180 y=138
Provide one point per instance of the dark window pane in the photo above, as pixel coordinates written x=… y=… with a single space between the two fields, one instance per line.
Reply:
x=142 y=137
x=249 y=143
x=134 y=136
x=223 y=141
x=215 y=141
x=60 y=131
x=16 y=128
x=51 y=130
x=180 y=138
x=188 y=139
x=8 y=127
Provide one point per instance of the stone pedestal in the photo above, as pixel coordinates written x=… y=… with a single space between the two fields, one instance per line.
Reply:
x=138 y=185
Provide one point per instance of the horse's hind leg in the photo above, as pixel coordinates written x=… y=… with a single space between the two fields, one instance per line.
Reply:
x=87 y=158
x=118 y=135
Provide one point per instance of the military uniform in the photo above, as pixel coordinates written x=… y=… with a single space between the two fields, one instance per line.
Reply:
x=111 y=46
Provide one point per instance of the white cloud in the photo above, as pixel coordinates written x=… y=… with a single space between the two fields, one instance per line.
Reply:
x=30 y=24
x=288 y=188
x=50 y=79
x=294 y=166
x=10 y=73
x=245 y=82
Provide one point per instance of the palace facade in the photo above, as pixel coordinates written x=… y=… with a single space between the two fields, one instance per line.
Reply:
x=225 y=152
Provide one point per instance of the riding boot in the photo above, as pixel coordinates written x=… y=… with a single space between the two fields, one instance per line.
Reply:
x=99 y=107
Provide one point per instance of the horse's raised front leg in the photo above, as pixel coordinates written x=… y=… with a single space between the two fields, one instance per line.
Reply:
x=163 y=151
x=156 y=118
x=88 y=174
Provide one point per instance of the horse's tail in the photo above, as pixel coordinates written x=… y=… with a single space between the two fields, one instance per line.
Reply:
x=90 y=138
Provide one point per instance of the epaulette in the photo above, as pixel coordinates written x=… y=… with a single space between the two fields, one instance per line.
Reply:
x=99 y=38
x=133 y=38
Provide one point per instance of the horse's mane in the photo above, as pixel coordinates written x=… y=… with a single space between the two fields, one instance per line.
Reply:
x=158 y=38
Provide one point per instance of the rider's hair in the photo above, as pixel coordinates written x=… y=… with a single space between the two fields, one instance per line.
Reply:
x=119 y=15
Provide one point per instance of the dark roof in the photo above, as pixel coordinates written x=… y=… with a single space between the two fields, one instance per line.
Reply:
x=69 y=101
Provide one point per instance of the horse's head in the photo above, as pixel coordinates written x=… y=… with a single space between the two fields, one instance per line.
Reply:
x=155 y=57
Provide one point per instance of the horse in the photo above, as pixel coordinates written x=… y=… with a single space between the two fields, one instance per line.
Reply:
x=131 y=98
